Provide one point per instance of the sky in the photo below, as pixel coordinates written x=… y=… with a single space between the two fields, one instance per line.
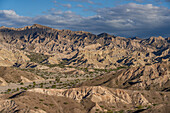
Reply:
x=126 y=18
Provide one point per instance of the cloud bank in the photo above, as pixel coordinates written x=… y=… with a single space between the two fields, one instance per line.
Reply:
x=123 y=20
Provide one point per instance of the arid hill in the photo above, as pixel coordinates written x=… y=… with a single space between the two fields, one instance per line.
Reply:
x=85 y=100
x=83 y=49
x=149 y=77
x=11 y=75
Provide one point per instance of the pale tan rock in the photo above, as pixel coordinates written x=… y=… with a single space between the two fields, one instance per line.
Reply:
x=8 y=57
x=3 y=82
x=152 y=76
x=96 y=94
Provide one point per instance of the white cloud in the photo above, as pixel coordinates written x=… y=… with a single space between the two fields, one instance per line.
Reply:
x=10 y=18
x=126 y=20
x=66 y=5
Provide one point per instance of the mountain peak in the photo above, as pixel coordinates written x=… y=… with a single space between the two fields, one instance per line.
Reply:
x=38 y=26
x=104 y=35
x=157 y=38
x=2 y=27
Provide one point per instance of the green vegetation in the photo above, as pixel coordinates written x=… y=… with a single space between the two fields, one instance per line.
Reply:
x=102 y=106
x=21 y=83
x=51 y=104
x=57 y=79
x=41 y=85
x=34 y=83
x=41 y=100
x=30 y=85
x=65 y=103
x=121 y=111
x=109 y=70
x=148 y=107
x=113 y=107
x=17 y=89
x=53 y=86
x=24 y=88
x=139 y=107
x=109 y=111
x=37 y=57
x=97 y=109
x=8 y=90
x=154 y=104
x=36 y=107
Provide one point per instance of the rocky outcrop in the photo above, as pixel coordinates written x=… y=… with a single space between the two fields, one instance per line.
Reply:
x=97 y=95
x=154 y=76
x=10 y=57
x=12 y=75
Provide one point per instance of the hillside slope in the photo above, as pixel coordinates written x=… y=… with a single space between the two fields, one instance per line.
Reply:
x=11 y=75
x=149 y=77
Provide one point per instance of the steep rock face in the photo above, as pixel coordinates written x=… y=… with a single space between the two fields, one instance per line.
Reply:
x=10 y=57
x=154 y=76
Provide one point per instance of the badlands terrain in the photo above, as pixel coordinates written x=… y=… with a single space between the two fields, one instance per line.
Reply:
x=46 y=70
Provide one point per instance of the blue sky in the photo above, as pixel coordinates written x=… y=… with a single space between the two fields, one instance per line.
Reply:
x=129 y=18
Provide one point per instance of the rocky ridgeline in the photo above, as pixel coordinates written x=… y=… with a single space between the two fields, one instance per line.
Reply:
x=97 y=94
x=83 y=49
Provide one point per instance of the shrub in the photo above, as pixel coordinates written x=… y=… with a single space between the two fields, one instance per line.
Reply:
x=21 y=83
x=36 y=107
x=41 y=99
x=139 y=107
x=97 y=109
x=34 y=83
x=102 y=106
x=9 y=90
x=65 y=103
x=17 y=89
x=57 y=79
x=53 y=86
x=121 y=111
x=25 y=88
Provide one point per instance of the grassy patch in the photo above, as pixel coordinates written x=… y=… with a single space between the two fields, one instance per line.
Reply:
x=37 y=57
